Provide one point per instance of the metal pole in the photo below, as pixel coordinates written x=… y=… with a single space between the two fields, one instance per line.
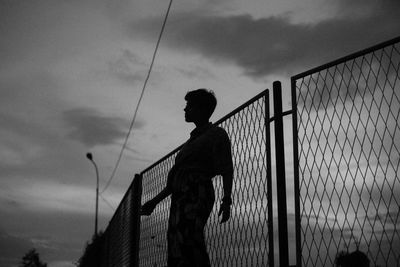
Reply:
x=136 y=198
x=90 y=157
x=269 y=182
x=97 y=199
x=280 y=176
x=296 y=174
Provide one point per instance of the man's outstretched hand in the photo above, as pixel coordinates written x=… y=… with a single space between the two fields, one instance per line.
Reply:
x=225 y=211
x=148 y=208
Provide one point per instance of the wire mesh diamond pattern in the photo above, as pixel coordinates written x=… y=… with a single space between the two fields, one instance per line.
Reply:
x=243 y=240
x=118 y=236
x=153 y=229
x=349 y=150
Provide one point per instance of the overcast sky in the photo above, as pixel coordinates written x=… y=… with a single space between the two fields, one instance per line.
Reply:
x=71 y=74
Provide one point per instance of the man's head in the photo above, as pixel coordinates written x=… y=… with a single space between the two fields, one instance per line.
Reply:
x=200 y=104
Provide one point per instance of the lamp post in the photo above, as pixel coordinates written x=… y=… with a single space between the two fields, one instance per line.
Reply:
x=90 y=157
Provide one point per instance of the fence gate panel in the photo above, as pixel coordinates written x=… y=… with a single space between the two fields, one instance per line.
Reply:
x=246 y=239
x=348 y=146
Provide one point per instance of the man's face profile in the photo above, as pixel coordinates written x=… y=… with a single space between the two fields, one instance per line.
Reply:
x=191 y=112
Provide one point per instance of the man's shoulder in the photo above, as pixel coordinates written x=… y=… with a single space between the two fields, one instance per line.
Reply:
x=218 y=131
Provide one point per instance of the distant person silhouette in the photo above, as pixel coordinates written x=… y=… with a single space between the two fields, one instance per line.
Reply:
x=206 y=154
x=354 y=259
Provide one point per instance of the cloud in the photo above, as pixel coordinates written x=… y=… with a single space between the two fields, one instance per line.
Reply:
x=49 y=197
x=194 y=72
x=92 y=128
x=128 y=67
x=274 y=45
x=355 y=9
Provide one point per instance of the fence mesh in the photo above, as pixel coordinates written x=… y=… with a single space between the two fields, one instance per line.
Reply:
x=243 y=240
x=153 y=229
x=118 y=238
x=348 y=184
x=349 y=150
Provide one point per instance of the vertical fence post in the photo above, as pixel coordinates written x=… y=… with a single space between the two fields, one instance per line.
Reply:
x=280 y=176
x=269 y=182
x=296 y=174
x=136 y=197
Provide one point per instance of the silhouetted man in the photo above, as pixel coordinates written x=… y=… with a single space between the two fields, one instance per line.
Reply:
x=206 y=154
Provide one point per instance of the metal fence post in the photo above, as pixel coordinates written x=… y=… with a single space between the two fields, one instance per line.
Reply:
x=269 y=181
x=136 y=197
x=296 y=174
x=280 y=176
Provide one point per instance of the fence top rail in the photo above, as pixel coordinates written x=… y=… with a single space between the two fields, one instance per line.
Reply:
x=232 y=113
x=347 y=58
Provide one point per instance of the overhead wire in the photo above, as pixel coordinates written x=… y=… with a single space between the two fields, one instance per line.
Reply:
x=139 y=101
x=107 y=202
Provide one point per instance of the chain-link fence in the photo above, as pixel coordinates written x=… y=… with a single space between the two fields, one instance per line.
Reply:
x=347 y=185
x=245 y=239
x=153 y=229
x=348 y=138
x=119 y=246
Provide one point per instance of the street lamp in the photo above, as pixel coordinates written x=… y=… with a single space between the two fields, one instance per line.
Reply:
x=90 y=157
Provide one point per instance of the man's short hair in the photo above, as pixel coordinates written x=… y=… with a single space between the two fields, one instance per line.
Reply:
x=204 y=98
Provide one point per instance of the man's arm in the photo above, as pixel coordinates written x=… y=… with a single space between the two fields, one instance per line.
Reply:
x=227 y=180
x=162 y=195
x=224 y=166
x=150 y=205
x=225 y=208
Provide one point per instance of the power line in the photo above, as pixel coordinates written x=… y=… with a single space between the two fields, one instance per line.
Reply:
x=139 y=101
x=107 y=202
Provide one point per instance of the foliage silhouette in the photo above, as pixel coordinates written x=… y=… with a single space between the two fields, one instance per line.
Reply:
x=92 y=252
x=354 y=259
x=32 y=259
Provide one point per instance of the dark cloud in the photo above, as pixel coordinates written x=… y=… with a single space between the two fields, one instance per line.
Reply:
x=195 y=72
x=275 y=45
x=92 y=128
x=388 y=218
x=368 y=77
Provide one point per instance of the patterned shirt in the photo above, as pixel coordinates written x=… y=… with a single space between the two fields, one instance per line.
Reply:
x=206 y=153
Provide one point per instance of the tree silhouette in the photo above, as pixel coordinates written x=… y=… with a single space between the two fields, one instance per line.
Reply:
x=354 y=259
x=92 y=255
x=32 y=259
